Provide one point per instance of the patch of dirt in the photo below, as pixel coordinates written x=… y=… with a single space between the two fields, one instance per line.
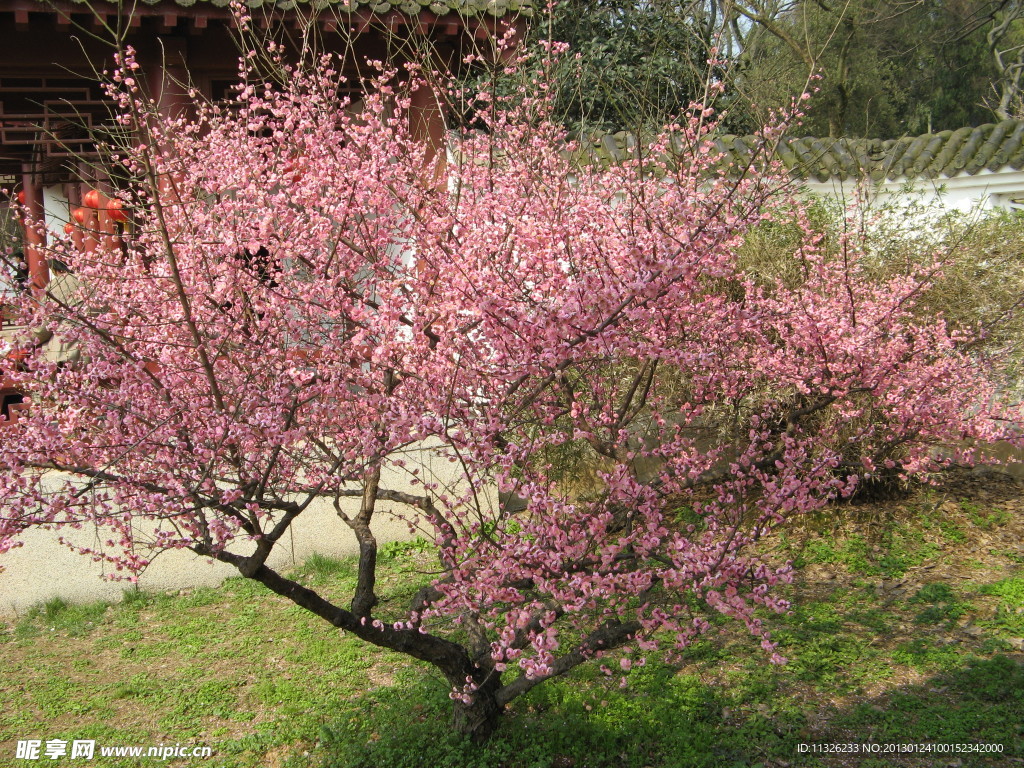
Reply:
x=278 y=756
x=987 y=553
x=985 y=511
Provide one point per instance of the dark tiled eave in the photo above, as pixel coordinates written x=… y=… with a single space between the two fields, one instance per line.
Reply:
x=945 y=154
x=468 y=8
x=992 y=147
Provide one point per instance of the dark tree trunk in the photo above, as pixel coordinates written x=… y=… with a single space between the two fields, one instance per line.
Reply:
x=476 y=720
x=480 y=718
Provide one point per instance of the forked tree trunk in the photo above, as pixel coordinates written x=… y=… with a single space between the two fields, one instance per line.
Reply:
x=480 y=718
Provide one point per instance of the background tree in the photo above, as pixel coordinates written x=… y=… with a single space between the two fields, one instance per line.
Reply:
x=1005 y=38
x=301 y=303
x=632 y=65
x=884 y=67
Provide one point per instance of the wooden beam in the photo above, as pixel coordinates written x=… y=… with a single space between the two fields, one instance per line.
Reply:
x=168 y=21
x=395 y=20
x=426 y=20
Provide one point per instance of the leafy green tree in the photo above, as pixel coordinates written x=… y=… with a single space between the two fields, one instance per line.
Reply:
x=1005 y=39
x=880 y=67
x=877 y=67
x=632 y=64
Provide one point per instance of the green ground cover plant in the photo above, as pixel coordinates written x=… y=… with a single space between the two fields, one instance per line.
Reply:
x=924 y=652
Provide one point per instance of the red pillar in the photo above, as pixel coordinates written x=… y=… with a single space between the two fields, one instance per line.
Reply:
x=75 y=201
x=105 y=224
x=168 y=77
x=89 y=236
x=168 y=86
x=427 y=120
x=35 y=234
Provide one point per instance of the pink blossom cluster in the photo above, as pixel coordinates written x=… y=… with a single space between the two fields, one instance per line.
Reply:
x=305 y=295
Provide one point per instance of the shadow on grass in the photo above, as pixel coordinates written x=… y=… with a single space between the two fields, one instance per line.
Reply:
x=671 y=719
x=980 y=703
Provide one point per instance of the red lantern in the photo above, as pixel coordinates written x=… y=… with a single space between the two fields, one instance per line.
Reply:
x=79 y=215
x=116 y=212
x=294 y=169
x=21 y=197
x=69 y=228
x=92 y=199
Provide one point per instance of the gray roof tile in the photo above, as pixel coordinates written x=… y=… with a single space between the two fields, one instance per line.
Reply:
x=408 y=7
x=930 y=156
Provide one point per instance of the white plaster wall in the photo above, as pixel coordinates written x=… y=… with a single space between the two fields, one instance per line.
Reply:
x=43 y=568
x=986 y=190
x=56 y=208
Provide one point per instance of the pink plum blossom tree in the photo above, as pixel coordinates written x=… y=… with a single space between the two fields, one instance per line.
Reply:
x=305 y=295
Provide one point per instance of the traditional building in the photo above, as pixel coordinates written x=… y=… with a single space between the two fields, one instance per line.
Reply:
x=52 y=106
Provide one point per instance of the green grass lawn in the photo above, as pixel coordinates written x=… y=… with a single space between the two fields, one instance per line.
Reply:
x=905 y=629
